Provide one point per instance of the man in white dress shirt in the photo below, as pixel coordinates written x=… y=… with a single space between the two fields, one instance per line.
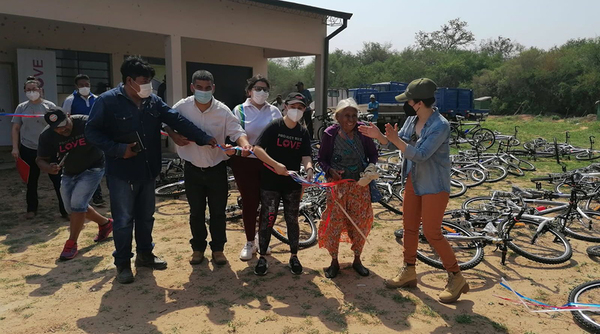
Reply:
x=205 y=170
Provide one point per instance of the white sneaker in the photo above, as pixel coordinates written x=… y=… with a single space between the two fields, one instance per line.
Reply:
x=256 y=246
x=247 y=251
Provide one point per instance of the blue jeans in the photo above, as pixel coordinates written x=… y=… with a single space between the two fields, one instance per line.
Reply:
x=77 y=190
x=132 y=206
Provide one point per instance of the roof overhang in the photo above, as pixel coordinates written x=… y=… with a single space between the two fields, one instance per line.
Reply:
x=330 y=17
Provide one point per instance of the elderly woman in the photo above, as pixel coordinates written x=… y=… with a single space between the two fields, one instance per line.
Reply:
x=344 y=154
x=423 y=140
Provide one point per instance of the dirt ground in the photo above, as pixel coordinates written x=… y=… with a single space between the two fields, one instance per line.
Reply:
x=39 y=294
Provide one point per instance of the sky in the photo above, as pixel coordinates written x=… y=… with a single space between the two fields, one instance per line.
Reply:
x=533 y=23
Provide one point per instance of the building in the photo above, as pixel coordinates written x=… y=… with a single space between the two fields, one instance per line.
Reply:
x=56 y=40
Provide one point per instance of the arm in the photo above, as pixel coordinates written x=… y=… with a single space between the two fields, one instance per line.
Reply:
x=235 y=132
x=430 y=144
x=15 y=134
x=46 y=166
x=308 y=167
x=173 y=119
x=177 y=138
x=95 y=131
x=67 y=104
x=264 y=157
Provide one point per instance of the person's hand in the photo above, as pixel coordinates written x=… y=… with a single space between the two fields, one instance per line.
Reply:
x=247 y=150
x=15 y=153
x=281 y=170
x=54 y=169
x=179 y=140
x=212 y=142
x=310 y=175
x=129 y=153
x=391 y=132
x=229 y=150
x=335 y=175
x=370 y=130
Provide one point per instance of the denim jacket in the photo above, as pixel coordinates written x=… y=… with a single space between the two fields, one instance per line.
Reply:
x=430 y=156
x=115 y=115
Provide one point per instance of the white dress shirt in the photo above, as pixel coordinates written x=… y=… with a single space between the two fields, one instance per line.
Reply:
x=217 y=121
x=255 y=121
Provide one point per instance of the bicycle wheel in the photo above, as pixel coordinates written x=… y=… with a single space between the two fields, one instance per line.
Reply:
x=593 y=250
x=593 y=203
x=545 y=246
x=514 y=170
x=468 y=253
x=491 y=209
x=469 y=176
x=175 y=189
x=306 y=223
x=586 y=156
x=495 y=173
x=457 y=188
x=523 y=164
x=579 y=228
x=483 y=138
x=586 y=293
x=320 y=132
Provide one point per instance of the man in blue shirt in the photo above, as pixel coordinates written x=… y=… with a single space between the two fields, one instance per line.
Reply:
x=373 y=108
x=125 y=123
x=80 y=103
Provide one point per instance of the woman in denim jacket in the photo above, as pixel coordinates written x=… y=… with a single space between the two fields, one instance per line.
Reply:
x=423 y=140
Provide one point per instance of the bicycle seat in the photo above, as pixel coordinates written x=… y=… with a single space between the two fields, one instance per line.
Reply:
x=459 y=117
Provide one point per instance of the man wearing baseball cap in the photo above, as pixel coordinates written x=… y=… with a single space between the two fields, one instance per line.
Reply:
x=283 y=146
x=424 y=141
x=83 y=167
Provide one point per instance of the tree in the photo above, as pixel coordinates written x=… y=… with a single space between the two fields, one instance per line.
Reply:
x=295 y=63
x=452 y=35
x=375 y=52
x=501 y=46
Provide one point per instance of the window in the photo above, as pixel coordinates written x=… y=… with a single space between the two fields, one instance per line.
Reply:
x=93 y=64
x=333 y=93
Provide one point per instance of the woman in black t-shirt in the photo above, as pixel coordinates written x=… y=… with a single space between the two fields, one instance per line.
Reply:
x=283 y=145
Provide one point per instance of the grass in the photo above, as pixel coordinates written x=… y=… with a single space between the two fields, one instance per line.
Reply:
x=463 y=319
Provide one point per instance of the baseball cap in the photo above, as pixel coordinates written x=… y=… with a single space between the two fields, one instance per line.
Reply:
x=418 y=89
x=372 y=96
x=295 y=98
x=56 y=118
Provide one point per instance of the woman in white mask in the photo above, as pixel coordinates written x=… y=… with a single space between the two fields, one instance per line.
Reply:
x=25 y=133
x=254 y=115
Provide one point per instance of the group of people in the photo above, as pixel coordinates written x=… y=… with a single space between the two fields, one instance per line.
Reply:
x=261 y=143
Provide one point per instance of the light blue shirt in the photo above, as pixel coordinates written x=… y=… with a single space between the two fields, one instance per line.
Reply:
x=374 y=106
x=428 y=160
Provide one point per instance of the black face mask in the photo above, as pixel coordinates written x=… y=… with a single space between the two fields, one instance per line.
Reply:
x=409 y=110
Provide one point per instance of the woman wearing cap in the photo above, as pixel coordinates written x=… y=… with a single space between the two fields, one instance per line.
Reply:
x=254 y=115
x=344 y=154
x=25 y=134
x=283 y=145
x=423 y=140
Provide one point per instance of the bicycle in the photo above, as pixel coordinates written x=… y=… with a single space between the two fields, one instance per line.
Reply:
x=479 y=136
x=587 y=293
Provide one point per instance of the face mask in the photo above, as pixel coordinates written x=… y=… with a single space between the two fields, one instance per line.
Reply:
x=295 y=114
x=32 y=95
x=259 y=97
x=203 y=97
x=409 y=110
x=85 y=91
x=145 y=90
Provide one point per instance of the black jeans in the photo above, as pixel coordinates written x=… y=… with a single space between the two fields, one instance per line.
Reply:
x=269 y=201
x=200 y=184
x=28 y=155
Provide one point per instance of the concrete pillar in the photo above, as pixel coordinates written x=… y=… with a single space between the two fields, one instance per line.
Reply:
x=319 y=84
x=117 y=59
x=174 y=69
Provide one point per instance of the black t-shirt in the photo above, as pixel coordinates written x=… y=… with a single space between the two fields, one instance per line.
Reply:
x=82 y=155
x=286 y=146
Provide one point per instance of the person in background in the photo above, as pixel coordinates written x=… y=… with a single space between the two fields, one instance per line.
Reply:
x=279 y=104
x=254 y=115
x=344 y=154
x=162 y=89
x=205 y=170
x=283 y=145
x=308 y=112
x=82 y=166
x=373 y=108
x=25 y=136
x=424 y=141
x=80 y=103
x=126 y=123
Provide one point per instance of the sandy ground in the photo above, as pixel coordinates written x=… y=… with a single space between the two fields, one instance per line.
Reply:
x=39 y=294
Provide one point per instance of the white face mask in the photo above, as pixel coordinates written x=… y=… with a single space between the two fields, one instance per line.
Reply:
x=32 y=95
x=145 y=90
x=259 y=97
x=85 y=91
x=202 y=97
x=295 y=114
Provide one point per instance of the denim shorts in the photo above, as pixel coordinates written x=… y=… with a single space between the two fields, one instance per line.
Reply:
x=77 y=190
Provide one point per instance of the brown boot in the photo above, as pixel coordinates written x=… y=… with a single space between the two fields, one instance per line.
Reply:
x=219 y=258
x=197 y=257
x=406 y=278
x=455 y=287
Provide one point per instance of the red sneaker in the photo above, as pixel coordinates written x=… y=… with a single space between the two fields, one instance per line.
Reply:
x=104 y=231
x=69 y=251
